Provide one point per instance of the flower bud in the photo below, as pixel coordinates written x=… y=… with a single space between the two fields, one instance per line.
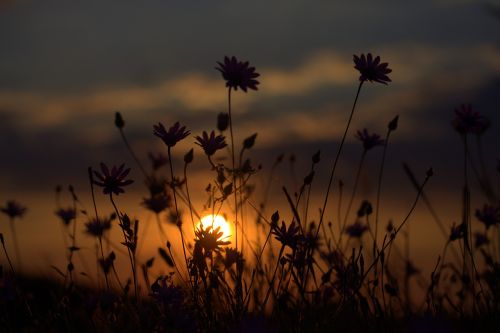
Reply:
x=222 y=121
x=119 y=122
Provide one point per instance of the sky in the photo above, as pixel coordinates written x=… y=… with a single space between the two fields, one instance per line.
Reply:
x=67 y=66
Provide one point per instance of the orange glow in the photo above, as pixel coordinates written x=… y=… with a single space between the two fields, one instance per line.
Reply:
x=216 y=221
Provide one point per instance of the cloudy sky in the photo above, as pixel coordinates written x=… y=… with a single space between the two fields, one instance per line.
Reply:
x=67 y=66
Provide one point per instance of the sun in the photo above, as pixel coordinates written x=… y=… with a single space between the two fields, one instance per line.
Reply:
x=216 y=221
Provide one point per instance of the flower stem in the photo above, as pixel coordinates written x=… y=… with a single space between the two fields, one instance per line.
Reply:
x=16 y=243
x=337 y=159
x=177 y=217
x=353 y=194
x=233 y=166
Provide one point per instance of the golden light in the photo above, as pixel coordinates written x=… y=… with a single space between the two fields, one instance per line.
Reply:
x=216 y=221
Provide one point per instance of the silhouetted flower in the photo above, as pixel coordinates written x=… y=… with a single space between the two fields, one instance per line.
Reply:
x=174 y=134
x=365 y=208
x=13 y=209
x=157 y=203
x=212 y=143
x=287 y=237
x=168 y=294
x=97 y=226
x=480 y=239
x=468 y=121
x=107 y=263
x=238 y=74
x=112 y=182
x=411 y=269
x=457 y=232
x=371 y=69
x=489 y=215
x=369 y=140
x=356 y=230
x=66 y=214
x=157 y=160
x=210 y=239
x=232 y=256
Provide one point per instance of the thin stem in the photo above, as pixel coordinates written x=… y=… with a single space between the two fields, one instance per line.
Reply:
x=393 y=236
x=7 y=255
x=103 y=263
x=177 y=217
x=353 y=194
x=233 y=166
x=379 y=187
x=134 y=156
x=188 y=196
x=16 y=243
x=337 y=159
x=129 y=251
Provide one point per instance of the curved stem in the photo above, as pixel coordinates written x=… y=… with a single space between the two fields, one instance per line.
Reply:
x=337 y=159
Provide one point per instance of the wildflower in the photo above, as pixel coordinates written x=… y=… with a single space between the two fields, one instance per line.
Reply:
x=287 y=237
x=112 y=182
x=369 y=140
x=165 y=292
x=356 y=230
x=175 y=133
x=107 y=263
x=157 y=203
x=489 y=215
x=66 y=214
x=480 y=239
x=457 y=232
x=13 y=209
x=365 y=209
x=238 y=74
x=212 y=143
x=157 y=160
x=468 y=121
x=232 y=256
x=371 y=69
x=97 y=226
x=210 y=239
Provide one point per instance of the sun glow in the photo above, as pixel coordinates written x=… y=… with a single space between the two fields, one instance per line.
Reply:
x=216 y=221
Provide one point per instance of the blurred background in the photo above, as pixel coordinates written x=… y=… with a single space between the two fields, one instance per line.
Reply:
x=67 y=66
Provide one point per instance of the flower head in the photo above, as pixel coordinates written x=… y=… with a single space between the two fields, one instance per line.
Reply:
x=66 y=214
x=157 y=160
x=157 y=203
x=210 y=239
x=457 y=232
x=468 y=121
x=97 y=226
x=112 y=181
x=371 y=69
x=238 y=74
x=212 y=143
x=369 y=140
x=489 y=215
x=480 y=239
x=174 y=134
x=13 y=209
x=356 y=230
x=287 y=237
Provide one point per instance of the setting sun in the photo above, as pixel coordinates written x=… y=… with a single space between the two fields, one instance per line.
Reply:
x=216 y=221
